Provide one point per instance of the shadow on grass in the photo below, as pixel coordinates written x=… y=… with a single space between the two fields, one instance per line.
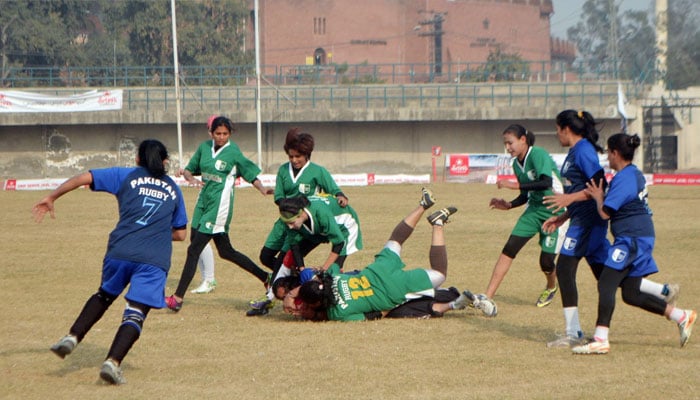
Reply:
x=85 y=356
x=529 y=332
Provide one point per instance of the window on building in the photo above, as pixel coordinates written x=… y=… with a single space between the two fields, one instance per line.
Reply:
x=319 y=25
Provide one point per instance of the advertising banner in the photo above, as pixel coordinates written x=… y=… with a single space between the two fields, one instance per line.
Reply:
x=27 y=102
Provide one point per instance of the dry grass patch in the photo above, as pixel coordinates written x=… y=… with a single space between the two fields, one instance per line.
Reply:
x=211 y=350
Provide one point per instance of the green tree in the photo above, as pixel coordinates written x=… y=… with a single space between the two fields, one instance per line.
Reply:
x=622 y=45
x=106 y=33
x=683 y=58
x=500 y=66
x=613 y=43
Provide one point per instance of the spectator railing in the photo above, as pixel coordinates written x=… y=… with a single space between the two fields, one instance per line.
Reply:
x=475 y=95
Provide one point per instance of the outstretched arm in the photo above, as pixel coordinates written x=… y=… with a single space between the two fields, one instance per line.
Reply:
x=262 y=189
x=47 y=203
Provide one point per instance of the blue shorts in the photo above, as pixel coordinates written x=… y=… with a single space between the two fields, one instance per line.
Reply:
x=632 y=253
x=146 y=282
x=587 y=241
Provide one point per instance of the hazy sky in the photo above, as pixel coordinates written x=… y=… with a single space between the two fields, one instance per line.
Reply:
x=568 y=13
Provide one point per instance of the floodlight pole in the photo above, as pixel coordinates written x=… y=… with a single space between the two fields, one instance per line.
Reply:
x=177 y=84
x=257 y=77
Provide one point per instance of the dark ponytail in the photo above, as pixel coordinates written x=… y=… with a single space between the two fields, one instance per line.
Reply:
x=581 y=123
x=624 y=144
x=152 y=156
x=520 y=131
x=318 y=290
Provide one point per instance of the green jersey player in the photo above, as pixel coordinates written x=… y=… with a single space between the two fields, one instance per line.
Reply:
x=537 y=176
x=382 y=285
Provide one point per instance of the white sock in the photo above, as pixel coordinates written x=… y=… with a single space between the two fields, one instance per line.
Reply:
x=652 y=288
x=573 y=325
x=206 y=263
x=601 y=333
x=677 y=315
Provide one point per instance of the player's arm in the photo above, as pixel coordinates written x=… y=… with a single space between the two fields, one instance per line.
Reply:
x=596 y=191
x=46 y=204
x=333 y=255
x=261 y=188
x=179 y=234
x=518 y=201
x=543 y=182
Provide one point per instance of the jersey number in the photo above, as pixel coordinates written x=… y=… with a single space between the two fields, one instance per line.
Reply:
x=360 y=287
x=151 y=205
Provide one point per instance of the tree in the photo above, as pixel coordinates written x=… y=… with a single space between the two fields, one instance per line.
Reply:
x=613 y=44
x=101 y=33
x=622 y=45
x=683 y=59
x=500 y=66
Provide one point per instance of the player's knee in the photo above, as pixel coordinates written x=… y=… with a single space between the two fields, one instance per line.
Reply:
x=547 y=263
x=437 y=278
x=105 y=297
x=513 y=246
x=268 y=256
x=134 y=315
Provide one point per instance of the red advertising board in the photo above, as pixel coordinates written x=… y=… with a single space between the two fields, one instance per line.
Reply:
x=459 y=164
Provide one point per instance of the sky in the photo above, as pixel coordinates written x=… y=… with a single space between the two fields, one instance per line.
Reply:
x=568 y=12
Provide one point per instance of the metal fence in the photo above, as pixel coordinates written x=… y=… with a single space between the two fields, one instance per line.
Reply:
x=335 y=74
x=374 y=96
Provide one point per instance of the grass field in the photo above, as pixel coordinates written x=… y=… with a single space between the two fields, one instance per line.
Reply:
x=211 y=350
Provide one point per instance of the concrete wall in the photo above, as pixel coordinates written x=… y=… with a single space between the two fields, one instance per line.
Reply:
x=56 y=151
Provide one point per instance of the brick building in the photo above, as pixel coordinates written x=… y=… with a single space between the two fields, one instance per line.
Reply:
x=432 y=33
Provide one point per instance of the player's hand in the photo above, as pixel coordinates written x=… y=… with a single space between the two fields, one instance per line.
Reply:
x=342 y=201
x=595 y=190
x=507 y=184
x=551 y=224
x=499 y=204
x=41 y=208
x=194 y=182
x=556 y=202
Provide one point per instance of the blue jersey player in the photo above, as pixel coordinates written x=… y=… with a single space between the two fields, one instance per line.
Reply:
x=151 y=215
x=630 y=256
x=587 y=232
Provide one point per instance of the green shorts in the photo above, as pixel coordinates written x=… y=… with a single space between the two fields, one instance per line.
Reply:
x=530 y=223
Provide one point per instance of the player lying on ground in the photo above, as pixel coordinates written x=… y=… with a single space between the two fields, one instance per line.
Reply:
x=382 y=285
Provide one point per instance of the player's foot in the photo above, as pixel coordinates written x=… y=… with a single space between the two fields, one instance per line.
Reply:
x=671 y=292
x=111 y=373
x=546 y=297
x=65 y=346
x=484 y=304
x=440 y=217
x=686 y=326
x=566 y=341
x=262 y=302
x=173 y=304
x=593 y=346
x=427 y=198
x=257 y=312
x=461 y=302
x=207 y=286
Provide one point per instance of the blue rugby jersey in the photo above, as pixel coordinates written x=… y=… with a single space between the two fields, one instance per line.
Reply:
x=580 y=165
x=627 y=200
x=149 y=208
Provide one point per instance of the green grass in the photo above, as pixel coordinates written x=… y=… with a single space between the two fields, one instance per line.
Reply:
x=211 y=350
